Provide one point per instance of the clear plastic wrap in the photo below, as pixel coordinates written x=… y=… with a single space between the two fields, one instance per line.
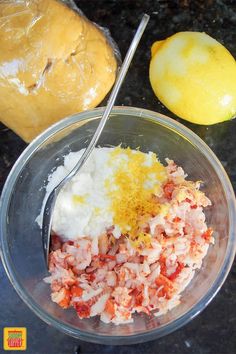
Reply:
x=53 y=62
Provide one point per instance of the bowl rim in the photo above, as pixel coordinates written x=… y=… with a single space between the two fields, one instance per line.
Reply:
x=139 y=337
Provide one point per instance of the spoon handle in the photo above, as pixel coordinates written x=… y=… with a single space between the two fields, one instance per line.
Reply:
x=120 y=78
x=50 y=203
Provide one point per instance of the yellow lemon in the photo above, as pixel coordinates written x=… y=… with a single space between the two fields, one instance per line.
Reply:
x=194 y=76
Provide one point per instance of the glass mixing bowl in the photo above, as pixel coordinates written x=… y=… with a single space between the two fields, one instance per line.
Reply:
x=21 y=244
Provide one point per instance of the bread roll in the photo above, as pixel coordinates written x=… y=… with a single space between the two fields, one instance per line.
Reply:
x=53 y=63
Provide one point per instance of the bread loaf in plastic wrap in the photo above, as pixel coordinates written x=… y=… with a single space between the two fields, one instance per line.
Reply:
x=53 y=62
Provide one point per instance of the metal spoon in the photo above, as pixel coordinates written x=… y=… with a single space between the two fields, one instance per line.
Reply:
x=50 y=203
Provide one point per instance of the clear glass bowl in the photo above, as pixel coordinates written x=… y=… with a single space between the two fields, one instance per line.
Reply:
x=21 y=244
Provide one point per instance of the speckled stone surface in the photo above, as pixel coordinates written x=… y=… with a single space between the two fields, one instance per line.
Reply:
x=214 y=330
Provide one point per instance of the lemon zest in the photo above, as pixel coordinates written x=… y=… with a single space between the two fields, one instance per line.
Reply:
x=143 y=239
x=78 y=199
x=132 y=202
x=97 y=210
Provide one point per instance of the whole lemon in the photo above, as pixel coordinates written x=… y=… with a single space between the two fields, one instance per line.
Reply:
x=194 y=76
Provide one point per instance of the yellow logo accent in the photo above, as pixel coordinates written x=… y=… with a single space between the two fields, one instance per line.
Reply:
x=14 y=338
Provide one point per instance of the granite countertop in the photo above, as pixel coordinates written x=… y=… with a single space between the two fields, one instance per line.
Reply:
x=214 y=330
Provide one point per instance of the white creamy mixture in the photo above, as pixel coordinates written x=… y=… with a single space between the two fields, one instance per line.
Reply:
x=83 y=207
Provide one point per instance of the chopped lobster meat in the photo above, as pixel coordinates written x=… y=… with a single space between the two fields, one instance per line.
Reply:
x=114 y=277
